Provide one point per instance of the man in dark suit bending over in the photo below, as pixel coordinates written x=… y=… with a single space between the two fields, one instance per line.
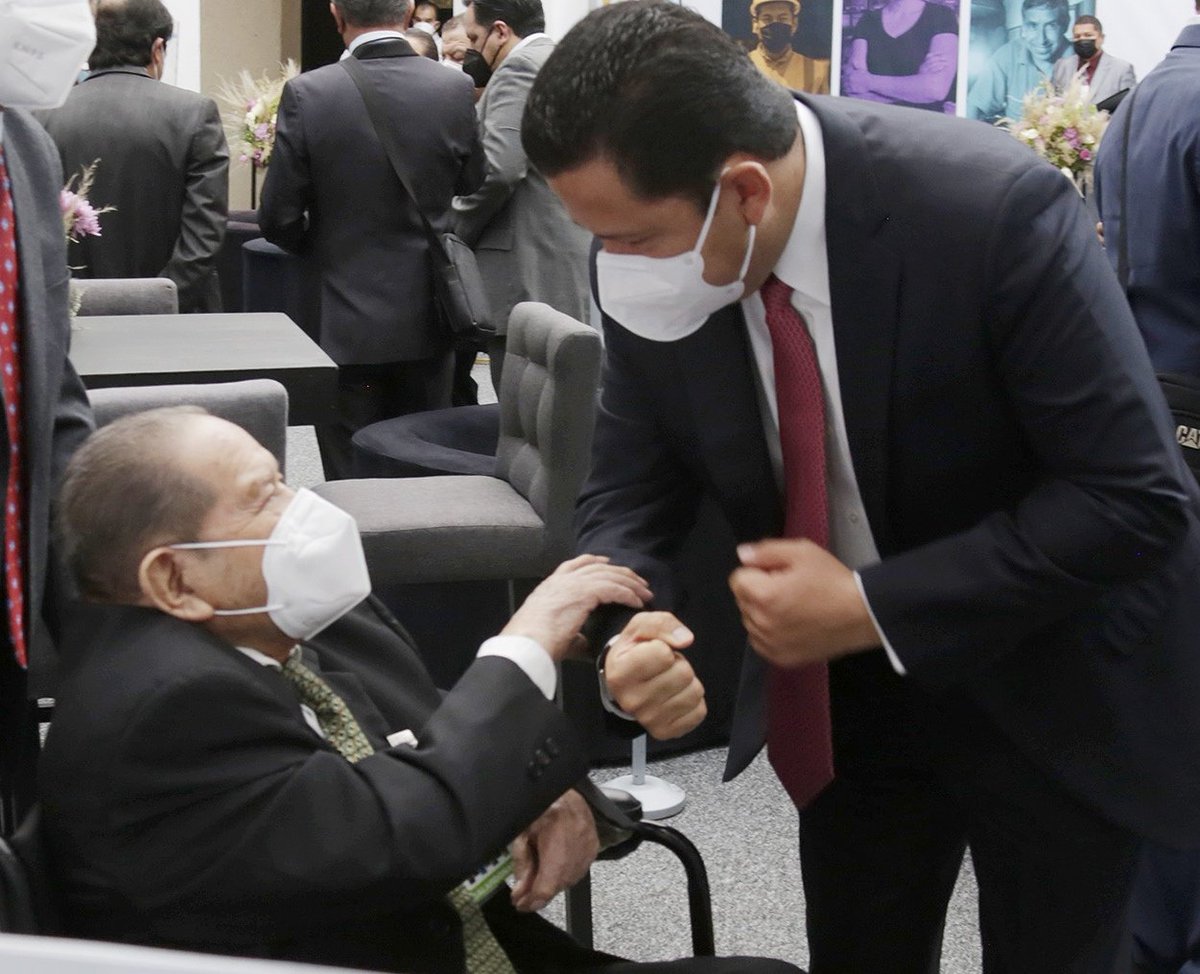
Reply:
x=888 y=341
x=248 y=757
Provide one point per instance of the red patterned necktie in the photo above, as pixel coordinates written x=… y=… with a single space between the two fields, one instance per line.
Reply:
x=10 y=373
x=799 y=742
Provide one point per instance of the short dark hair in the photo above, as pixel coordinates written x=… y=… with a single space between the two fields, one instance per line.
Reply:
x=1088 y=19
x=122 y=495
x=126 y=31
x=373 y=13
x=1059 y=6
x=525 y=17
x=662 y=93
x=422 y=43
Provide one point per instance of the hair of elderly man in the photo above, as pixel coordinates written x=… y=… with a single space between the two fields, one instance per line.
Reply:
x=374 y=13
x=524 y=17
x=660 y=91
x=123 y=493
x=422 y=43
x=126 y=31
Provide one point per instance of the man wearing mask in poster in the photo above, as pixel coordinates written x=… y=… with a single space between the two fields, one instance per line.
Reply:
x=774 y=23
x=42 y=48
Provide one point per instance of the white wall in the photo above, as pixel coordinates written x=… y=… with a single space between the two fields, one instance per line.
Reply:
x=183 y=53
x=1142 y=31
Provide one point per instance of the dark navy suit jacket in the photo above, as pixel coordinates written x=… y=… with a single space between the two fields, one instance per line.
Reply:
x=1014 y=454
x=1163 y=204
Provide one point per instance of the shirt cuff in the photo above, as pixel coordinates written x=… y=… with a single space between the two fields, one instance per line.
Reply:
x=887 y=646
x=529 y=655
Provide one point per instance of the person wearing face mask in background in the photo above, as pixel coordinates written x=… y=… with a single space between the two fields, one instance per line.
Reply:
x=1100 y=74
x=248 y=756
x=42 y=48
x=775 y=23
x=969 y=547
x=527 y=247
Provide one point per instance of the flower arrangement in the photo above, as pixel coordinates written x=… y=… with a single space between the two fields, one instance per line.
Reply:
x=80 y=218
x=1065 y=130
x=251 y=108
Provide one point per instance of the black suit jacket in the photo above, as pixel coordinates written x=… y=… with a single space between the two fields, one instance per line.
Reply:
x=164 y=166
x=187 y=803
x=331 y=193
x=56 y=413
x=1017 y=464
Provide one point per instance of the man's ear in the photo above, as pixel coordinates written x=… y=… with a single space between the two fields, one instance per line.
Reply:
x=160 y=578
x=158 y=57
x=751 y=187
x=339 y=22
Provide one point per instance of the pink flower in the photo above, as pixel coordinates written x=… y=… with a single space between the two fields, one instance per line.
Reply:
x=262 y=131
x=82 y=217
x=1085 y=155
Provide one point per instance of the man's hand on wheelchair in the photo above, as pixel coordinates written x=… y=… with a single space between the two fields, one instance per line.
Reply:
x=650 y=679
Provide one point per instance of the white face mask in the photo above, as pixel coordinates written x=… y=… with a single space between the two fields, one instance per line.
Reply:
x=665 y=299
x=313 y=565
x=43 y=44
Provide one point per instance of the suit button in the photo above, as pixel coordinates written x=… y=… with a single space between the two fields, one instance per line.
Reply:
x=552 y=748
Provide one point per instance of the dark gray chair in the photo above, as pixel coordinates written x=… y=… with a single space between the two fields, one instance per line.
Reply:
x=126 y=296
x=259 y=406
x=516 y=523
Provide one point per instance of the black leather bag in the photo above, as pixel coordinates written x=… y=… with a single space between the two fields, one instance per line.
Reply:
x=458 y=290
x=1183 y=396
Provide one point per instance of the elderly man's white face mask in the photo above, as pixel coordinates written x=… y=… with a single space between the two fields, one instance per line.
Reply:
x=43 y=45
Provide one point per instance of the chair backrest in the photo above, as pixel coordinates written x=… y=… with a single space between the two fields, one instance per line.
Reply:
x=259 y=406
x=27 y=903
x=547 y=414
x=127 y=296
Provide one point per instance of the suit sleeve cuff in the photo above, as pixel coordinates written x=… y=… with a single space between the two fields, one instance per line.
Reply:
x=527 y=654
x=887 y=646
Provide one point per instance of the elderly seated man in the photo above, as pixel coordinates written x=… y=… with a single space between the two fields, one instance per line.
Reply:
x=248 y=757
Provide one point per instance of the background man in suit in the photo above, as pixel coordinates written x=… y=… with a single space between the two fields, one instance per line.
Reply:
x=332 y=195
x=890 y=337
x=1019 y=66
x=528 y=248
x=1148 y=188
x=46 y=410
x=164 y=162
x=1101 y=75
x=208 y=783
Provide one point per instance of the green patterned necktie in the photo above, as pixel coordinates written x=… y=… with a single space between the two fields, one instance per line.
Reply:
x=484 y=953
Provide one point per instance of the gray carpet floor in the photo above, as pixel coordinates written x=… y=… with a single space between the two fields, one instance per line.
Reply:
x=746 y=831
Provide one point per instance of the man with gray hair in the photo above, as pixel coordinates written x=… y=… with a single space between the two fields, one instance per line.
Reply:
x=1026 y=61
x=332 y=195
x=163 y=159
x=248 y=756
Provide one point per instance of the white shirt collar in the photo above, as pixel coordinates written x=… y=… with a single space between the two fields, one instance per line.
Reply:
x=796 y=266
x=525 y=40
x=369 y=36
x=262 y=658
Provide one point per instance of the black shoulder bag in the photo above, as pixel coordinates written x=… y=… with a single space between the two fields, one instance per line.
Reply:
x=458 y=289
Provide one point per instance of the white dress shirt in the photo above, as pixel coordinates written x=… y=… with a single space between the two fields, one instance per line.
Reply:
x=804 y=267
x=367 y=38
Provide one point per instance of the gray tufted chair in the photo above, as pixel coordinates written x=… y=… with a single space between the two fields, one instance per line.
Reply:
x=515 y=524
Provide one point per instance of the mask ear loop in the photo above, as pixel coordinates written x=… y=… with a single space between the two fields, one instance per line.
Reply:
x=708 y=217
x=749 y=252
x=232 y=543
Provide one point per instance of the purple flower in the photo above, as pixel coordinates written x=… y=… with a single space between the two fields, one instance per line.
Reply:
x=1085 y=155
x=87 y=221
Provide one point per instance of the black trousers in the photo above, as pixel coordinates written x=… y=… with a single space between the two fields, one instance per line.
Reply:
x=918 y=781
x=370 y=393
x=18 y=742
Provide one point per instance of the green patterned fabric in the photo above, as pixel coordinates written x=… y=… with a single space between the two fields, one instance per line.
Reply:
x=484 y=953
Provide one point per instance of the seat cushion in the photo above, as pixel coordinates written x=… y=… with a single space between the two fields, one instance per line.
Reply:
x=442 y=529
x=441 y=442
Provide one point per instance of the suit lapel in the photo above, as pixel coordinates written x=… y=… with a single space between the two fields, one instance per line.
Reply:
x=723 y=401
x=864 y=282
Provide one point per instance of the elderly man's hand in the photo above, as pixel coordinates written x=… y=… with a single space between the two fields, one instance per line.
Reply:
x=557 y=609
x=649 y=678
x=554 y=852
x=799 y=603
